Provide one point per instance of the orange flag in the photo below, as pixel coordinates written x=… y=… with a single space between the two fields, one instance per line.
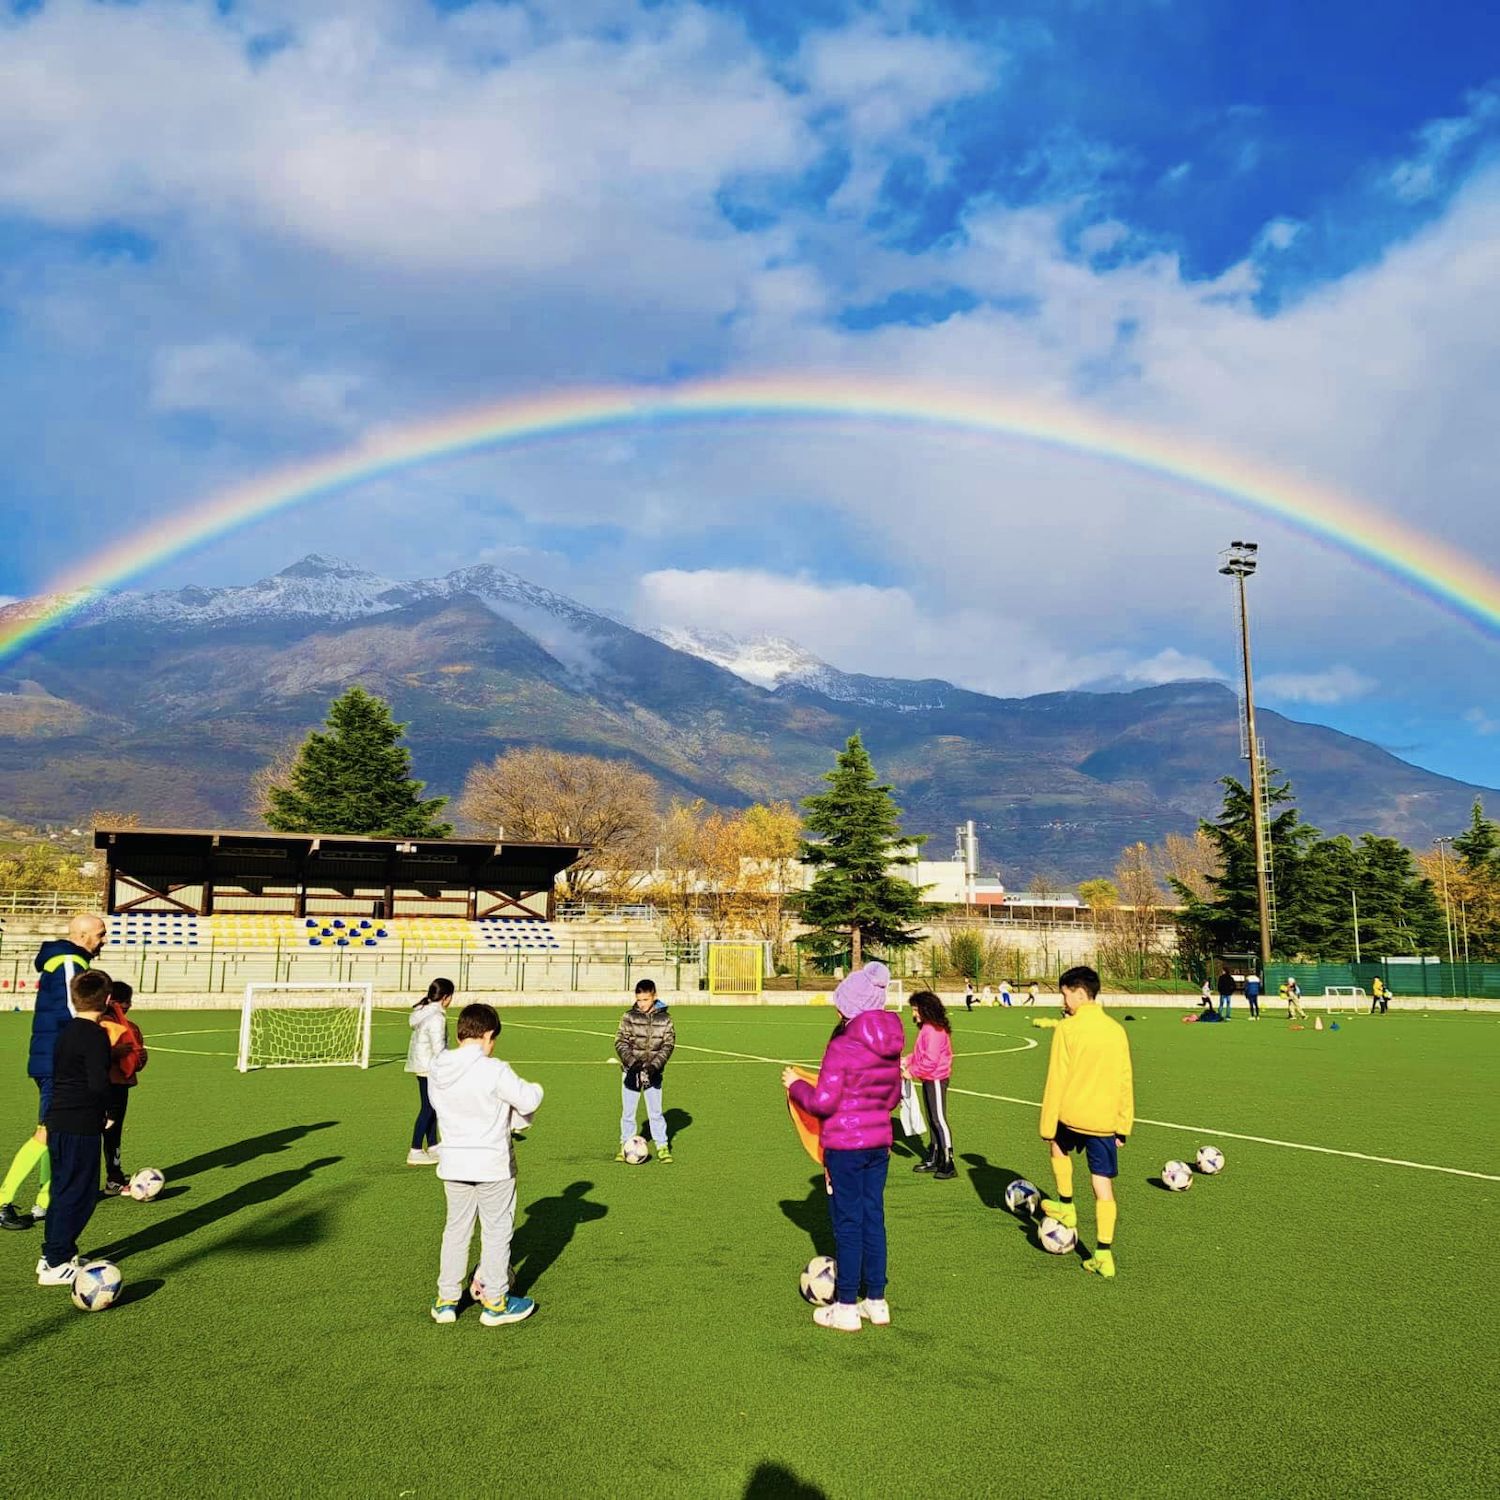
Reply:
x=809 y=1127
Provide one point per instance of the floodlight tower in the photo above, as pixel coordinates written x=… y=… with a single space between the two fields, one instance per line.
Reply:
x=1238 y=562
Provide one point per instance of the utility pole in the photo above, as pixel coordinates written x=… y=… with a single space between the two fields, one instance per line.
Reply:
x=1239 y=563
x=1442 y=847
x=1354 y=897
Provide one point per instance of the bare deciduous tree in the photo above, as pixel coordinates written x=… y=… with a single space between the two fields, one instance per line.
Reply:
x=610 y=807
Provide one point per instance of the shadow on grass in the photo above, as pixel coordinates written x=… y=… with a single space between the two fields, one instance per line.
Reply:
x=677 y=1120
x=811 y=1214
x=262 y=1190
x=990 y=1181
x=776 y=1482
x=237 y=1153
x=550 y=1226
x=137 y=1291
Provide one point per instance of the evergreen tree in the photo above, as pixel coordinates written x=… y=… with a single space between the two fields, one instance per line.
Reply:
x=1478 y=846
x=853 y=900
x=355 y=779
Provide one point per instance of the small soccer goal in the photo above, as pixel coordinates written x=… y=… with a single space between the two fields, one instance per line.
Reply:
x=895 y=994
x=305 y=1026
x=1343 y=997
x=736 y=968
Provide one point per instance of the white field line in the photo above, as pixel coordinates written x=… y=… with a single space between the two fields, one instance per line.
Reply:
x=1261 y=1140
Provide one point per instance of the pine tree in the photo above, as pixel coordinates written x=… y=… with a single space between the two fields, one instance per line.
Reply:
x=1478 y=846
x=854 y=900
x=355 y=779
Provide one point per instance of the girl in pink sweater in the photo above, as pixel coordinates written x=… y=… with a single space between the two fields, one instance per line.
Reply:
x=930 y=1063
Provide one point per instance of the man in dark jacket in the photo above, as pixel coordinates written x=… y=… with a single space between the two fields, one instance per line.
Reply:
x=56 y=965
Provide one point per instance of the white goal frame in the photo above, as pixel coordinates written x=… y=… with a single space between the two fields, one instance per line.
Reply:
x=1343 y=998
x=362 y=997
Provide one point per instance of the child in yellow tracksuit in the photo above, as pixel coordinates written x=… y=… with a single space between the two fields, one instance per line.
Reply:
x=1088 y=1105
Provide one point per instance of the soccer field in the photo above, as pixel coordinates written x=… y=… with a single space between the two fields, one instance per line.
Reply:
x=1311 y=1322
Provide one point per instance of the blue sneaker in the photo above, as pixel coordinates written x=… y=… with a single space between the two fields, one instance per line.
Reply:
x=444 y=1312
x=507 y=1309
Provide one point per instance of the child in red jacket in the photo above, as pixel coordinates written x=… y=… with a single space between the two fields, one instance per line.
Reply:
x=930 y=1063
x=127 y=1056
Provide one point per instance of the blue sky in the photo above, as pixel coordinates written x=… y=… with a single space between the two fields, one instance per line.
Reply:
x=232 y=235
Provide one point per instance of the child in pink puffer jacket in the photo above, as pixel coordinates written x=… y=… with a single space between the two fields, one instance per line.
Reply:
x=859 y=1084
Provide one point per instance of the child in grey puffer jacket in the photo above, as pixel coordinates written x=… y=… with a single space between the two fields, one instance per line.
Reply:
x=643 y=1044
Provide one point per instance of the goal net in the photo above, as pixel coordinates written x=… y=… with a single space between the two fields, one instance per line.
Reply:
x=305 y=1026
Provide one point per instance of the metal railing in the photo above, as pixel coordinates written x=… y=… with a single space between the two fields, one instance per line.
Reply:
x=46 y=903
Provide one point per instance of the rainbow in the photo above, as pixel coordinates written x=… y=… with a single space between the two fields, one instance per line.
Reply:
x=1426 y=565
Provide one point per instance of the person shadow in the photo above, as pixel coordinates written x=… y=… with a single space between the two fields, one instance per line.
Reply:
x=550 y=1226
x=237 y=1153
x=990 y=1181
x=777 y=1482
x=811 y=1214
x=677 y=1120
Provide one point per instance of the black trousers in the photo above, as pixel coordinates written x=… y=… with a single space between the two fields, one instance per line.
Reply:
x=935 y=1101
x=119 y=1102
x=75 y=1191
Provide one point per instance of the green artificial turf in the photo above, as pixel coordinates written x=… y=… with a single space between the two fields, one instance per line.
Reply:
x=1304 y=1324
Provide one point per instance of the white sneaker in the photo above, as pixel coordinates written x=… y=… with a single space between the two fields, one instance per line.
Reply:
x=38 y=1213
x=56 y=1275
x=420 y=1159
x=876 y=1309
x=843 y=1316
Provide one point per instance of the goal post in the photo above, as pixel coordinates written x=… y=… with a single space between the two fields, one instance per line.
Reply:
x=736 y=968
x=305 y=1026
x=1343 y=997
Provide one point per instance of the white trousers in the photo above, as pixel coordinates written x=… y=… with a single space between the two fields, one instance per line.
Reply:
x=629 y=1106
x=494 y=1205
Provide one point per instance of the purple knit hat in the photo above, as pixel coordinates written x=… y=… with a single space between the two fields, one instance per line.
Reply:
x=863 y=990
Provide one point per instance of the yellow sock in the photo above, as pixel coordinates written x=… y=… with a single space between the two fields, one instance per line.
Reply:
x=21 y=1168
x=1062 y=1171
x=44 y=1180
x=1108 y=1212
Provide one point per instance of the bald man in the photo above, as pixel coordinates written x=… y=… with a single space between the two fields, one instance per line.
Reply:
x=56 y=963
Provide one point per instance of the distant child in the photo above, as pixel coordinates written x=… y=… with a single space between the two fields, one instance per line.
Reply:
x=1379 y=998
x=1252 y=995
x=1088 y=1105
x=987 y=996
x=969 y=994
x=75 y=1126
x=859 y=1084
x=1206 y=995
x=931 y=1065
x=1294 y=1009
x=478 y=1100
x=1005 y=992
x=644 y=1044
x=127 y=1056
x=429 y=1037
x=1031 y=993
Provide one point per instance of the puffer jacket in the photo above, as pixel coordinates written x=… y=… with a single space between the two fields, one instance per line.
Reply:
x=645 y=1040
x=932 y=1057
x=859 y=1083
x=127 y=1047
x=429 y=1037
x=57 y=963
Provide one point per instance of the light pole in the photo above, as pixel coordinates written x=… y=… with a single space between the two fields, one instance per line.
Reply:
x=1354 y=897
x=1442 y=847
x=1239 y=563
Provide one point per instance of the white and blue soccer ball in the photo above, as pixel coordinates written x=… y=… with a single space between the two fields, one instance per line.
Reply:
x=96 y=1285
x=146 y=1184
x=636 y=1150
x=819 y=1281
x=1177 y=1175
x=1022 y=1197
x=1210 y=1160
x=1056 y=1238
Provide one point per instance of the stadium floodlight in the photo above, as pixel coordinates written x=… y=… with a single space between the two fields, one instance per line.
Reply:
x=1442 y=849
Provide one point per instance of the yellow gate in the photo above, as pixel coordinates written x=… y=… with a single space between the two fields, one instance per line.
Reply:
x=735 y=968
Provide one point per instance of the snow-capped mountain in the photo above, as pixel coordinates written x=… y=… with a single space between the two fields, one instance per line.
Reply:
x=773 y=661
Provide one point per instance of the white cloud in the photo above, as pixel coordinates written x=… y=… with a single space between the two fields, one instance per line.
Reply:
x=1481 y=722
x=1333 y=685
x=230 y=379
x=1171 y=665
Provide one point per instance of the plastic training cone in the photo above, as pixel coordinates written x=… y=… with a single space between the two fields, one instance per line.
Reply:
x=1317 y=1023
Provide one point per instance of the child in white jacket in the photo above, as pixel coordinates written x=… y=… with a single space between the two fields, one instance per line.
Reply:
x=479 y=1099
x=429 y=1036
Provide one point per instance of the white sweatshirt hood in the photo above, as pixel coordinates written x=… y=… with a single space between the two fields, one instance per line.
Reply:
x=479 y=1100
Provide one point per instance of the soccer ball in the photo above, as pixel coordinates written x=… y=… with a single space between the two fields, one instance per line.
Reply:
x=146 y=1184
x=636 y=1150
x=1022 y=1197
x=96 y=1285
x=1177 y=1176
x=818 y=1281
x=1057 y=1239
x=1210 y=1160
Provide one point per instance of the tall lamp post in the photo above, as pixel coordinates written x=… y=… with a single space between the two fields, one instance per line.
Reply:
x=1239 y=563
x=1442 y=848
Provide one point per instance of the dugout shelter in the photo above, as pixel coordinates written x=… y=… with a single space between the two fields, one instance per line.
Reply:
x=200 y=872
